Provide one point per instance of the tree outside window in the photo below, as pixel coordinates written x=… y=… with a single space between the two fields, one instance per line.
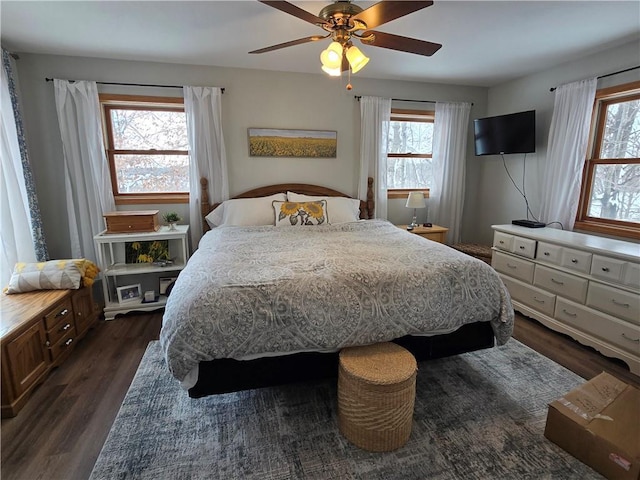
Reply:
x=610 y=199
x=410 y=147
x=147 y=147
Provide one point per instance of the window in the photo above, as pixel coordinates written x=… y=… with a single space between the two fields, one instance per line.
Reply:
x=147 y=148
x=610 y=195
x=410 y=146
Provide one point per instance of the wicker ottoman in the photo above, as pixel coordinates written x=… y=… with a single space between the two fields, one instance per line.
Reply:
x=376 y=394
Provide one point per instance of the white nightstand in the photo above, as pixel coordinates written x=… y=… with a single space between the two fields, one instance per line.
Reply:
x=111 y=249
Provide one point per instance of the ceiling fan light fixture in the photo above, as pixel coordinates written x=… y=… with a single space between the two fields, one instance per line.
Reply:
x=334 y=72
x=332 y=56
x=357 y=59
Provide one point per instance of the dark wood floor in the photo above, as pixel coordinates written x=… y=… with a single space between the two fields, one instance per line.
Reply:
x=59 y=433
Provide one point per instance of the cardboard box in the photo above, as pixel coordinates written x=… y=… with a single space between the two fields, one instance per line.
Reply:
x=135 y=221
x=599 y=424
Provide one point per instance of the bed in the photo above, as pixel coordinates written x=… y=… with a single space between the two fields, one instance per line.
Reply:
x=261 y=304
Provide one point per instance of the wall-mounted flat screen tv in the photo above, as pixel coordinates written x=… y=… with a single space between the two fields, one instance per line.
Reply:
x=504 y=134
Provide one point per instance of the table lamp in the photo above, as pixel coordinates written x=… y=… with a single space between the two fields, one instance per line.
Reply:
x=415 y=200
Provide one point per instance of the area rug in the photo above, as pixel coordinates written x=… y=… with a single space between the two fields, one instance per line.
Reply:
x=477 y=415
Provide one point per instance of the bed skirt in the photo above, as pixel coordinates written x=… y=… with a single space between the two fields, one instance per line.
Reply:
x=228 y=375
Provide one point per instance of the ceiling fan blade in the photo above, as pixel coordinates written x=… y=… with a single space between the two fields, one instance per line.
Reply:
x=383 y=12
x=291 y=9
x=299 y=41
x=403 y=44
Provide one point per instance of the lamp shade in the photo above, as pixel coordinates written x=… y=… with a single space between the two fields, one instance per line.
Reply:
x=332 y=56
x=356 y=59
x=416 y=200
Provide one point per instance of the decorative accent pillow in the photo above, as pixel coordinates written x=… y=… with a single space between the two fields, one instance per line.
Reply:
x=51 y=275
x=341 y=209
x=244 y=211
x=289 y=214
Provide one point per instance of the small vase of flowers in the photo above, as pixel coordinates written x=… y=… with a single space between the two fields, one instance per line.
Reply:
x=171 y=218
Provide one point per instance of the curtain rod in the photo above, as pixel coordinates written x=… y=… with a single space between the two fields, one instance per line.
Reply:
x=130 y=84
x=552 y=89
x=358 y=97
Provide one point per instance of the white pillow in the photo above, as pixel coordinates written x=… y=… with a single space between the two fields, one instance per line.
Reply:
x=215 y=216
x=247 y=211
x=339 y=209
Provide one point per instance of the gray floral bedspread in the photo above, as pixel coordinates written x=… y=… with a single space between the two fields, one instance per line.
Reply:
x=251 y=291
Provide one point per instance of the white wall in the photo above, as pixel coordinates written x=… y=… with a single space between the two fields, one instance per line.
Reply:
x=270 y=99
x=252 y=98
x=499 y=202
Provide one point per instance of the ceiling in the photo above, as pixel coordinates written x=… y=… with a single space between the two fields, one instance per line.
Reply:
x=484 y=43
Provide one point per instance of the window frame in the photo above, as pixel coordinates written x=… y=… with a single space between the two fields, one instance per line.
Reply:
x=109 y=102
x=406 y=115
x=604 y=97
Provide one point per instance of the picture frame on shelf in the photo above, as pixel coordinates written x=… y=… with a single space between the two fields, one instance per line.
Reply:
x=129 y=293
x=164 y=284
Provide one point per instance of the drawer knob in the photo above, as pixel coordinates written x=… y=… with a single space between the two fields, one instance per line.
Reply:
x=569 y=313
x=65 y=328
x=501 y=242
x=546 y=254
x=605 y=269
x=557 y=281
x=574 y=260
x=538 y=300
x=511 y=266
x=637 y=340
x=521 y=247
x=62 y=313
x=68 y=342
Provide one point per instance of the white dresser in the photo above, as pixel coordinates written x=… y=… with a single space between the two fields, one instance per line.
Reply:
x=585 y=286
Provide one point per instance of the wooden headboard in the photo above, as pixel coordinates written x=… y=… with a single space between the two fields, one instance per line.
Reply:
x=366 y=206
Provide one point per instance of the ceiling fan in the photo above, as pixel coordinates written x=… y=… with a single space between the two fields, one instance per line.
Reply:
x=343 y=20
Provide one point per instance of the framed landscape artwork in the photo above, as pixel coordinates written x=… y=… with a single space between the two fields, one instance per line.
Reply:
x=272 y=142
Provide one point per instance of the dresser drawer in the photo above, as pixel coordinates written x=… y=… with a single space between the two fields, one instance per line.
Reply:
x=524 y=247
x=535 y=298
x=631 y=275
x=63 y=345
x=576 y=260
x=503 y=241
x=617 y=332
x=619 y=303
x=61 y=313
x=548 y=252
x=607 y=268
x=512 y=266
x=564 y=284
x=60 y=330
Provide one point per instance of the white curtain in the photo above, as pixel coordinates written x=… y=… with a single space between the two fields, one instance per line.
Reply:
x=15 y=219
x=203 y=108
x=567 y=150
x=446 y=197
x=375 y=116
x=86 y=170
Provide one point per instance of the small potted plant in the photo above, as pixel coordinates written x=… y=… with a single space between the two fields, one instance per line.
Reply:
x=171 y=218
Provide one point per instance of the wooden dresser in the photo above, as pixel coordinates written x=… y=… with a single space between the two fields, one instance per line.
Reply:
x=585 y=286
x=38 y=331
